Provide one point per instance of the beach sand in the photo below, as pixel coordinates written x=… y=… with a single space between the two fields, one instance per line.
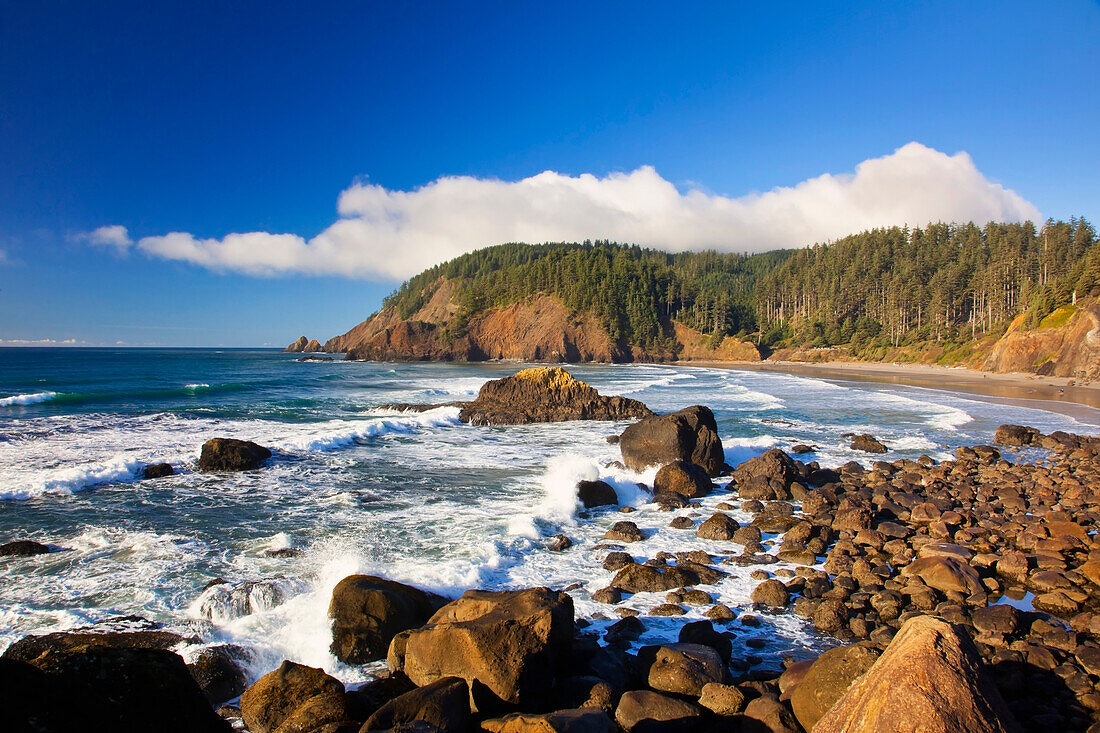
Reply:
x=1059 y=394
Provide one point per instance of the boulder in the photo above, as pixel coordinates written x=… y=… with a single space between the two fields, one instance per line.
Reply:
x=683 y=669
x=771 y=593
x=508 y=644
x=827 y=679
x=774 y=465
x=945 y=573
x=929 y=679
x=690 y=435
x=596 y=493
x=230 y=454
x=32 y=648
x=1016 y=435
x=644 y=711
x=868 y=444
x=367 y=612
x=635 y=578
x=719 y=526
x=444 y=704
x=702 y=632
x=23 y=548
x=218 y=672
x=545 y=394
x=577 y=720
x=99 y=687
x=683 y=478
x=280 y=694
x=624 y=531
x=157 y=470
x=722 y=699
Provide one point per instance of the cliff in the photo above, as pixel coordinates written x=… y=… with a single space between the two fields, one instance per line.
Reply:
x=538 y=328
x=1066 y=344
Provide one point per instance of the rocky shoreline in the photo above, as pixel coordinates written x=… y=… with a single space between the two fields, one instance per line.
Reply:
x=963 y=595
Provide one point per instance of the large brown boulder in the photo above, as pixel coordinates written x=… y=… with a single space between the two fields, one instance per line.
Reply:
x=509 y=644
x=690 y=434
x=444 y=703
x=293 y=690
x=635 y=578
x=684 y=478
x=367 y=612
x=545 y=394
x=230 y=454
x=98 y=687
x=642 y=711
x=945 y=574
x=719 y=527
x=827 y=679
x=773 y=466
x=683 y=669
x=929 y=679
x=868 y=444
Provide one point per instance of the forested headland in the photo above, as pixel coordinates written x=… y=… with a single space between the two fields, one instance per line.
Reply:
x=873 y=293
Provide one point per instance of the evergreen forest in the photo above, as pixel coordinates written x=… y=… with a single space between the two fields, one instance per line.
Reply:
x=889 y=287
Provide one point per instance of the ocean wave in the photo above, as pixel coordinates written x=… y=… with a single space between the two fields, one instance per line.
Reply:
x=72 y=479
x=341 y=434
x=196 y=386
x=751 y=398
x=27 y=399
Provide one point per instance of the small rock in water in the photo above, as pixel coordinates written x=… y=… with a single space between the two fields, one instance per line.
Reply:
x=559 y=543
x=230 y=454
x=23 y=548
x=868 y=444
x=157 y=470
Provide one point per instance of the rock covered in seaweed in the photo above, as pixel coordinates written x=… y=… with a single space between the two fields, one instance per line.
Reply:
x=545 y=394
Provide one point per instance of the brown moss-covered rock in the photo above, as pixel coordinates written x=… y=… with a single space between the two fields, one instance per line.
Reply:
x=683 y=478
x=545 y=394
x=276 y=696
x=684 y=668
x=643 y=710
x=444 y=704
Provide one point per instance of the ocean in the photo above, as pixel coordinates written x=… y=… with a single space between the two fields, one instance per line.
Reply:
x=252 y=558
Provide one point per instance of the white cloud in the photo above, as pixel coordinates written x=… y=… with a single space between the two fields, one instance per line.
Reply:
x=114 y=236
x=384 y=234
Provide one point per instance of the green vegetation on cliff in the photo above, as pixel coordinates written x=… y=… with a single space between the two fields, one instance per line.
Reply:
x=881 y=289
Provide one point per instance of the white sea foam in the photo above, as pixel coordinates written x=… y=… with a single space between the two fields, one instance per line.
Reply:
x=342 y=433
x=742 y=395
x=27 y=399
x=196 y=386
x=75 y=478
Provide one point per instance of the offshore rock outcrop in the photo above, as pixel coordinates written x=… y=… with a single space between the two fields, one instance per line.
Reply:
x=545 y=394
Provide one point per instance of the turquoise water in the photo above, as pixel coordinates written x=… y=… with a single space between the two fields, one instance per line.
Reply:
x=418 y=497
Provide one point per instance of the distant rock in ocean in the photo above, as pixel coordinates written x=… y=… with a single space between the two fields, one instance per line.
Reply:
x=304 y=346
x=546 y=394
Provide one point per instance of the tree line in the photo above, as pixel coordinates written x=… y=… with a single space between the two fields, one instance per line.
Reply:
x=884 y=287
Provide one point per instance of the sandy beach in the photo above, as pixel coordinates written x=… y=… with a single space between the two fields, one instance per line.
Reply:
x=1060 y=394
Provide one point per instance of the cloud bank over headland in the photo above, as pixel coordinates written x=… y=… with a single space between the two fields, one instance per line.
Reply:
x=384 y=234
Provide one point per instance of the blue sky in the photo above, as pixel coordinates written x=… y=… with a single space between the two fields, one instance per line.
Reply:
x=221 y=118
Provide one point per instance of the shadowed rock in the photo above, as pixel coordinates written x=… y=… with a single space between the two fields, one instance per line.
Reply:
x=230 y=454
x=367 y=612
x=690 y=434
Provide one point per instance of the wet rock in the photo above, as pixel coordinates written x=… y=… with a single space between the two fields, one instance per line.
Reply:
x=702 y=632
x=1016 y=435
x=830 y=616
x=596 y=493
x=278 y=695
x=157 y=470
x=510 y=643
x=667 y=609
x=721 y=527
x=218 y=672
x=930 y=673
x=827 y=679
x=867 y=443
x=690 y=434
x=624 y=531
x=230 y=454
x=44 y=646
x=646 y=712
x=222 y=602
x=948 y=574
x=617 y=560
x=682 y=523
x=444 y=704
x=545 y=394
x=684 y=668
x=23 y=548
x=774 y=471
x=683 y=478
x=721 y=613
x=367 y=612
x=607 y=595
x=627 y=629
x=771 y=593
x=559 y=543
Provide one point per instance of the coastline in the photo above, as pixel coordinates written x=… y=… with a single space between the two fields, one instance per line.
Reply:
x=1057 y=394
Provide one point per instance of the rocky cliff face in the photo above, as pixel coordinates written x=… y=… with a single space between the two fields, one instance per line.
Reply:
x=539 y=329
x=1066 y=344
x=302 y=345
